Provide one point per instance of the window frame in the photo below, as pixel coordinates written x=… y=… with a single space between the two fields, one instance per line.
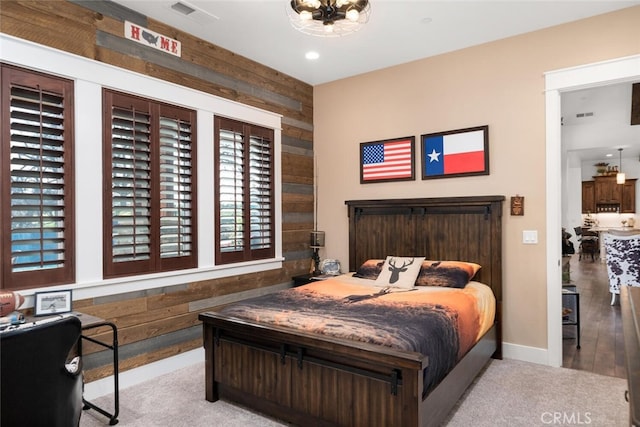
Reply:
x=248 y=131
x=155 y=263
x=45 y=277
x=90 y=77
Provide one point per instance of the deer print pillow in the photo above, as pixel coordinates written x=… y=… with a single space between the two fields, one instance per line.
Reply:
x=399 y=272
x=452 y=274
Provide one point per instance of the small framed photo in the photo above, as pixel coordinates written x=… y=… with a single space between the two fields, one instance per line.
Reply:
x=517 y=205
x=55 y=302
x=387 y=160
x=461 y=152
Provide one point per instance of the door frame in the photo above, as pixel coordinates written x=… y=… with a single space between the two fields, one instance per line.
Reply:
x=618 y=70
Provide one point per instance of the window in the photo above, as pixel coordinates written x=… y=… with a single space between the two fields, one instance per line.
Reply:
x=150 y=188
x=36 y=180
x=244 y=183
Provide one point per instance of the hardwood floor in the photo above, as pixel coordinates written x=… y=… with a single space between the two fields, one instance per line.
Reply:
x=602 y=350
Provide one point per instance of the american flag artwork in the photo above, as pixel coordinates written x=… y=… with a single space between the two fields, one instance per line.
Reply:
x=387 y=160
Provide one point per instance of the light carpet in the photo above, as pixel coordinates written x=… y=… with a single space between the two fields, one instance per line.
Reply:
x=507 y=393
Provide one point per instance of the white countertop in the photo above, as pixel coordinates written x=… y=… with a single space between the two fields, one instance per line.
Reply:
x=600 y=229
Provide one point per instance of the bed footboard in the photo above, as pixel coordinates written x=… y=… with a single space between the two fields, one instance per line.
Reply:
x=301 y=378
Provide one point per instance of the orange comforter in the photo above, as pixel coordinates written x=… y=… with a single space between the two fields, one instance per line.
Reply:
x=441 y=323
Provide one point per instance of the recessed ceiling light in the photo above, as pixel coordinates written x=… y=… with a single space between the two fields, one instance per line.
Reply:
x=312 y=55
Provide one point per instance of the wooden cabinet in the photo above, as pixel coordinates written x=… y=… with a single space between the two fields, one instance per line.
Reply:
x=588 y=197
x=605 y=195
x=628 y=203
x=607 y=190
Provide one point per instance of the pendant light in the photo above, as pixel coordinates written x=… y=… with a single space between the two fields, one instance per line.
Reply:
x=620 y=177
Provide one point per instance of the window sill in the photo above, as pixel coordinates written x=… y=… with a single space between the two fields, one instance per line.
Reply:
x=93 y=289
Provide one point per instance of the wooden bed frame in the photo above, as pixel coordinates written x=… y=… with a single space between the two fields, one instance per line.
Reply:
x=309 y=379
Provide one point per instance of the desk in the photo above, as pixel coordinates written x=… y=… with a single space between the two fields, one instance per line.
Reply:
x=91 y=322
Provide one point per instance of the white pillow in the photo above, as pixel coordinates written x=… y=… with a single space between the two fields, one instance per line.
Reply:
x=399 y=272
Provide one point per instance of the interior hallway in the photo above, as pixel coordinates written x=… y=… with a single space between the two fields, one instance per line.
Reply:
x=602 y=347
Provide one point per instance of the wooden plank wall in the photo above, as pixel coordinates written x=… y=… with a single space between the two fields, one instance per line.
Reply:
x=159 y=323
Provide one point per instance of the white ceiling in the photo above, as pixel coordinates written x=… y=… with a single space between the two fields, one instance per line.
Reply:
x=597 y=122
x=398 y=31
x=401 y=31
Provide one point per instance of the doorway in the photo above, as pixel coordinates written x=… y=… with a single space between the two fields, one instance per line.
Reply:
x=556 y=82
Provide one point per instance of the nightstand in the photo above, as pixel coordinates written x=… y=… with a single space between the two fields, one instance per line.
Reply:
x=302 y=279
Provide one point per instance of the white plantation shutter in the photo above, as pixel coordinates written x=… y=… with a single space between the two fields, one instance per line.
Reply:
x=244 y=192
x=231 y=191
x=175 y=188
x=130 y=185
x=37 y=182
x=260 y=192
x=151 y=223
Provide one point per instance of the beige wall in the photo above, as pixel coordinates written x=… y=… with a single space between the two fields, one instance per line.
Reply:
x=500 y=84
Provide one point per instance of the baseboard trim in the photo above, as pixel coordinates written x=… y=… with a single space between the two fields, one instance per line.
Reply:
x=138 y=375
x=525 y=353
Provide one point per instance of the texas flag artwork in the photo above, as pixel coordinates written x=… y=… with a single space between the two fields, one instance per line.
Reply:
x=460 y=152
x=388 y=160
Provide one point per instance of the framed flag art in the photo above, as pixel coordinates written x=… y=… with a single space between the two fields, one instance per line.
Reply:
x=461 y=152
x=387 y=160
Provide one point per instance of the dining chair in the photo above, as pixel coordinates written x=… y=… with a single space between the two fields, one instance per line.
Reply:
x=588 y=243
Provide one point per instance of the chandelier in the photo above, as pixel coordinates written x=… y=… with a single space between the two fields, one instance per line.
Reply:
x=329 y=18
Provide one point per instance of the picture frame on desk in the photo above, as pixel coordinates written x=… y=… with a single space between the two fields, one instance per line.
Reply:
x=54 y=302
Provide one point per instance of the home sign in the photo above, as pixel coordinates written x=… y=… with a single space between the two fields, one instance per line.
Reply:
x=152 y=39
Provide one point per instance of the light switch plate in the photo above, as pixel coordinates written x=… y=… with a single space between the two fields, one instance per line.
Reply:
x=530 y=237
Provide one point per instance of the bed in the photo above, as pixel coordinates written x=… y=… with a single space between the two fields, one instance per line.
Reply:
x=301 y=376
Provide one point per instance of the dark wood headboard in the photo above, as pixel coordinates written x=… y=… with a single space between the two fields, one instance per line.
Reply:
x=444 y=228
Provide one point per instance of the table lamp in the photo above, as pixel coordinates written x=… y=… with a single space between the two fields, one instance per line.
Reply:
x=316 y=242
